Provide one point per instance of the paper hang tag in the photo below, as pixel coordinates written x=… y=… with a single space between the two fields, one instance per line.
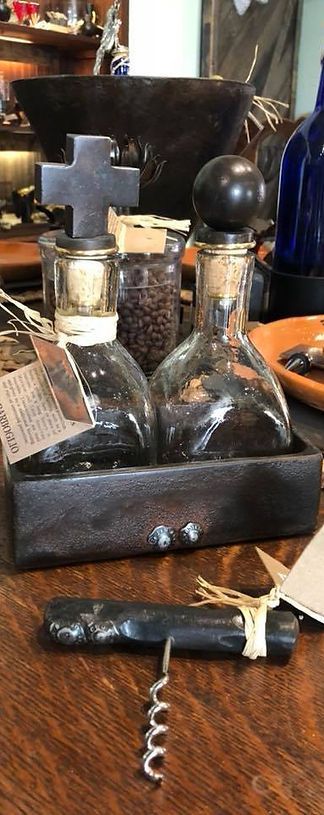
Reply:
x=136 y=240
x=133 y=240
x=276 y=570
x=30 y=417
x=303 y=585
x=142 y=233
x=64 y=381
x=42 y=404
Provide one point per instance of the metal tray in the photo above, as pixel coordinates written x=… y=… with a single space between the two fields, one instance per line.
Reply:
x=121 y=513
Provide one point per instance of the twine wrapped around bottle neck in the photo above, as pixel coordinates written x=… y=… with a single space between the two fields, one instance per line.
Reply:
x=76 y=330
x=253 y=609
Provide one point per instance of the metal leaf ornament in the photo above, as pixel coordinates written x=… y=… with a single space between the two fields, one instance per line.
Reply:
x=133 y=154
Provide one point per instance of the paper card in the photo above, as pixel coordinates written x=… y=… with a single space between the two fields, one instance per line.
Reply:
x=30 y=417
x=303 y=585
x=64 y=380
x=136 y=239
x=276 y=570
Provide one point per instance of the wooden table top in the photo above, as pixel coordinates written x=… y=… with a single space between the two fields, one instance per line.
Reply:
x=244 y=737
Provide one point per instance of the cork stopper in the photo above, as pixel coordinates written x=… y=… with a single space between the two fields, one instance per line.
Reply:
x=223 y=273
x=85 y=283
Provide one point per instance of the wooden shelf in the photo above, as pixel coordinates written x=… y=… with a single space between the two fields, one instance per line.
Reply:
x=17 y=138
x=39 y=36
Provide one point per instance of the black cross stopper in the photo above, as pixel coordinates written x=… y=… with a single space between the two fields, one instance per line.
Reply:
x=87 y=185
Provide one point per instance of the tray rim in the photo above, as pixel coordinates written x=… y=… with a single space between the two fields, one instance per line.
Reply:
x=308 y=450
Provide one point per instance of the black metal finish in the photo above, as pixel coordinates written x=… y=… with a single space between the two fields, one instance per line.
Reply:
x=74 y=621
x=75 y=518
x=106 y=242
x=227 y=193
x=187 y=122
x=299 y=364
x=302 y=357
x=87 y=185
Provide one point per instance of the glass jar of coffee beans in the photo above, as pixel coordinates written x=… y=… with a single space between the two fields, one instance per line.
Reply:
x=149 y=303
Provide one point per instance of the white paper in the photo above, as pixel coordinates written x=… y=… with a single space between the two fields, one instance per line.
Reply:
x=303 y=585
x=30 y=418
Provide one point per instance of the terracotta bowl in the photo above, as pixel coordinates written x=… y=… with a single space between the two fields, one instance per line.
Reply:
x=275 y=338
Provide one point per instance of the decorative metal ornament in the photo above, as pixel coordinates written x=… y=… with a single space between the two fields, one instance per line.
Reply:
x=109 y=38
x=162 y=537
x=190 y=534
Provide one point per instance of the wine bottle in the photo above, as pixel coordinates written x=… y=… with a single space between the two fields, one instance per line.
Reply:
x=299 y=248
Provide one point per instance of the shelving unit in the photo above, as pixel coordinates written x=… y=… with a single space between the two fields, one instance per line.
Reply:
x=28 y=35
x=43 y=52
x=26 y=51
x=17 y=138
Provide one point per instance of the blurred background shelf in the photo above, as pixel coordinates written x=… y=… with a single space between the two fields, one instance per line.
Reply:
x=17 y=138
x=28 y=35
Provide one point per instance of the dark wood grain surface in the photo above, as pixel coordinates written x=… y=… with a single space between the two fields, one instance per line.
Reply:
x=244 y=737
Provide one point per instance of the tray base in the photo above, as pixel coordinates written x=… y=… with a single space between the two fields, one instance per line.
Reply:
x=75 y=518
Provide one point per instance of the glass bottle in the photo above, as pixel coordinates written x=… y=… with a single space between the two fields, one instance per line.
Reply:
x=86 y=285
x=47 y=249
x=299 y=247
x=215 y=396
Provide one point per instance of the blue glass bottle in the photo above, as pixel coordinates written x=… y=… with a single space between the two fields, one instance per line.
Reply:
x=299 y=248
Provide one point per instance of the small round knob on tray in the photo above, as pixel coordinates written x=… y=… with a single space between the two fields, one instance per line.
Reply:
x=227 y=192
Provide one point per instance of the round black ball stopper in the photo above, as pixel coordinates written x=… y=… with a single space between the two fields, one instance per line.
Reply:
x=228 y=192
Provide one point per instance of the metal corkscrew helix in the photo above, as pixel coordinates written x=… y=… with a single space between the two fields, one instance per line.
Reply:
x=156 y=729
x=75 y=621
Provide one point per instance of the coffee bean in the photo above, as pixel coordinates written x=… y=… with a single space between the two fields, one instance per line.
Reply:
x=149 y=307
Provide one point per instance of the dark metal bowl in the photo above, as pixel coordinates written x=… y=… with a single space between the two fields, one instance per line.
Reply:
x=187 y=122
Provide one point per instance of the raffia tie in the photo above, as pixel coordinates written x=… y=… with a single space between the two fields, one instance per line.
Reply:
x=77 y=330
x=253 y=609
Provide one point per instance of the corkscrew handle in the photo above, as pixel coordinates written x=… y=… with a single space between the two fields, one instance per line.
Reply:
x=73 y=621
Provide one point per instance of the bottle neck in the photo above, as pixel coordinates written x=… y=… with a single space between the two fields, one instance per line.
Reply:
x=86 y=286
x=320 y=93
x=223 y=290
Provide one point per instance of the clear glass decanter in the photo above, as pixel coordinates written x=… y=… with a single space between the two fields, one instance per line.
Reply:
x=215 y=396
x=86 y=285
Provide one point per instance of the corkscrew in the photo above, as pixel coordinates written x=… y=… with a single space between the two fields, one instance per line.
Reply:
x=302 y=358
x=156 y=728
x=73 y=622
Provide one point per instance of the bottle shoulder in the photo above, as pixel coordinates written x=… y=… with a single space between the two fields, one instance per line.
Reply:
x=308 y=140
x=108 y=368
x=202 y=370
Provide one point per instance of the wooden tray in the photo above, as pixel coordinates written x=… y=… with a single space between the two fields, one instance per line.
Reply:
x=64 y=519
x=275 y=338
